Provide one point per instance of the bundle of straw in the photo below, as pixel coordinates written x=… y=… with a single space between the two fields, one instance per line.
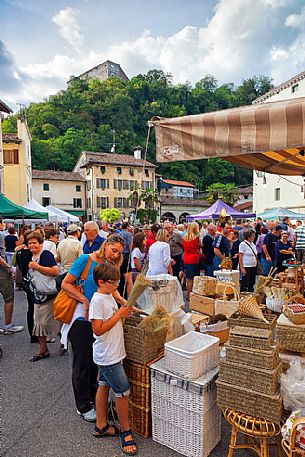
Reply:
x=264 y=281
x=141 y=283
x=157 y=321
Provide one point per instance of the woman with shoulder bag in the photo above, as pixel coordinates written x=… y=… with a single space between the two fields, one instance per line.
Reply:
x=248 y=261
x=41 y=285
x=79 y=331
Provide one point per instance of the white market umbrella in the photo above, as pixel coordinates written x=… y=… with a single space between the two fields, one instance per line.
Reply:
x=67 y=217
x=35 y=206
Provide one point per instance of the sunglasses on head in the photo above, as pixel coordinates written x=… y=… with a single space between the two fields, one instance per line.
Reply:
x=116 y=239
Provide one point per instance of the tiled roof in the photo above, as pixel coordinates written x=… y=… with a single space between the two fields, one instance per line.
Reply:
x=185 y=202
x=246 y=205
x=178 y=183
x=277 y=89
x=11 y=138
x=104 y=158
x=245 y=190
x=4 y=108
x=57 y=175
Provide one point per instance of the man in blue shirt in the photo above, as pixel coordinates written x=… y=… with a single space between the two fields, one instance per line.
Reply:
x=222 y=245
x=94 y=241
x=127 y=237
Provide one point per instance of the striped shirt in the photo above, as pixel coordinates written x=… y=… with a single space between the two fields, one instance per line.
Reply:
x=300 y=236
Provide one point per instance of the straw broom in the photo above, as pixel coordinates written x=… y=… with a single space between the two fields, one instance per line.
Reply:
x=141 y=284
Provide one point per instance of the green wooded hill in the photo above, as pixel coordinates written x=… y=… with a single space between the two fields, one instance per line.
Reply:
x=83 y=117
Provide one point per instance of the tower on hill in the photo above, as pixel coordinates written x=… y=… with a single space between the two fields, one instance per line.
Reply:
x=105 y=71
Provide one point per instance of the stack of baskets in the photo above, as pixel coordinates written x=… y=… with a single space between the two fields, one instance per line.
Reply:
x=185 y=416
x=142 y=350
x=249 y=376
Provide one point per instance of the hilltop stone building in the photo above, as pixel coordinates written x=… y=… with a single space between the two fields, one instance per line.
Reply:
x=105 y=71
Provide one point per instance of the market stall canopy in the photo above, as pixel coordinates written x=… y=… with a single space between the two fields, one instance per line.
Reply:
x=35 y=206
x=280 y=213
x=67 y=217
x=214 y=212
x=9 y=209
x=269 y=137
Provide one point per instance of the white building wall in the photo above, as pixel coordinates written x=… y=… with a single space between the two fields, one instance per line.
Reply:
x=290 y=195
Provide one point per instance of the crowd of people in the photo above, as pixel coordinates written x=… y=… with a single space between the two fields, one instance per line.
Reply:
x=105 y=261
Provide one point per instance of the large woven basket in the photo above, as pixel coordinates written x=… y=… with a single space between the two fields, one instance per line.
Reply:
x=295 y=318
x=192 y=355
x=139 y=346
x=256 y=379
x=290 y=338
x=140 y=396
x=275 y=304
x=250 y=402
x=255 y=338
x=202 y=304
x=265 y=359
x=204 y=285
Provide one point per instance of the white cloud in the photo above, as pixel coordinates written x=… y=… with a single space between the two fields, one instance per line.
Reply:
x=296 y=20
x=241 y=39
x=67 y=21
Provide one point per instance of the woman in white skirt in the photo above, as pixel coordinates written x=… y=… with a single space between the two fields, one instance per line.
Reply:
x=43 y=270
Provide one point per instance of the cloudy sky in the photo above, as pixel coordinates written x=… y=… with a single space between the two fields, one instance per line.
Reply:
x=43 y=42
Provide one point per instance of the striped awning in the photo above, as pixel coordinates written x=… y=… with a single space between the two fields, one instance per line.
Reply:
x=269 y=137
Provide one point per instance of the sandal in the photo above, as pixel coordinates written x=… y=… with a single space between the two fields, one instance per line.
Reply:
x=101 y=432
x=37 y=357
x=125 y=443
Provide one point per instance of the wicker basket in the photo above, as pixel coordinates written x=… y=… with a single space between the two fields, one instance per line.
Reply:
x=139 y=346
x=165 y=295
x=204 y=285
x=225 y=306
x=202 y=304
x=274 y=304
x=251 y=322
x=255 y=338
x=213 y=330
x=198 y=319
x=290 y=338
x=295 y=318
x=258 y=358
x=192 y=355
x=256 y=379
x=140 y=396
x=229 y=286
x=247 y=401
x=184 y=414
x=257 y=297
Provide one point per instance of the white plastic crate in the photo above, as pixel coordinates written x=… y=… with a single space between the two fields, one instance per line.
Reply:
x=192 y=355
x=185 y=416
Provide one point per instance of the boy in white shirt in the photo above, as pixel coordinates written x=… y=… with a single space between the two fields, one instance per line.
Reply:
x=108 y=354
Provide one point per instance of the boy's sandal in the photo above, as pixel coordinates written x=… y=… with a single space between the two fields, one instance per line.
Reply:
x=37 y=357
x=125 y=443
x=101 y=432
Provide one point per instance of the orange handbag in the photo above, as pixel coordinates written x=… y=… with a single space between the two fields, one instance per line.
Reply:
x=64 y=305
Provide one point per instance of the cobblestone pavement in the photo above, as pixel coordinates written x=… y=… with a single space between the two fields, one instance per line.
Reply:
x=38 y=415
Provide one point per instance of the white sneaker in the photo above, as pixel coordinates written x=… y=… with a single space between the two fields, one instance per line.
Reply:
x=89 y=416
x=11 y=329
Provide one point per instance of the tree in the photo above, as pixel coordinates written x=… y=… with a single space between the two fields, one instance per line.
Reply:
x=110 y=215
x=226 y=192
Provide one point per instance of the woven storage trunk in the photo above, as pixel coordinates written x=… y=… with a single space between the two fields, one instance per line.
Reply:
x=184 y=414
x=204 y=285
x=265 y=359
x=253 y=323
x=202 y=304
x=290 y=338
x=256 y=379
x=228 y=276
x=140 y=347
x=251 y=337
x=140 y=396
x=192 y=355
x=247 y=401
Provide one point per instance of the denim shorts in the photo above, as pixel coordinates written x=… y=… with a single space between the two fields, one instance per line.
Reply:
x=191 y=270
x=115 y=377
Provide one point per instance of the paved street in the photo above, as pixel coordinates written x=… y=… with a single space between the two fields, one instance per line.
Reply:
x=38 y=416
